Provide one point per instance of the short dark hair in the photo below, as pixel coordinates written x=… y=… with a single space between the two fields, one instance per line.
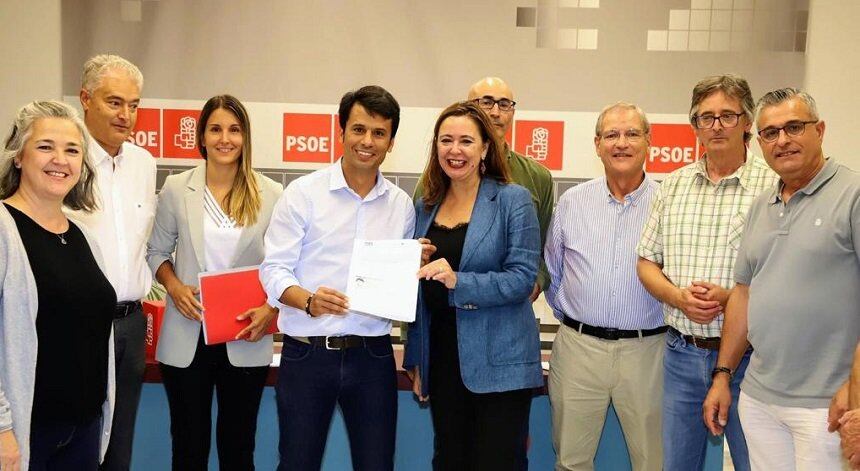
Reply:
x=376 y=100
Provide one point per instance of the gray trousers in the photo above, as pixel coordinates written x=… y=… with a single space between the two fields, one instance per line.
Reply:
x=129 y=349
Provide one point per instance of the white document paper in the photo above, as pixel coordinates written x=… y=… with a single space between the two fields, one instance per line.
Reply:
x=382 y=278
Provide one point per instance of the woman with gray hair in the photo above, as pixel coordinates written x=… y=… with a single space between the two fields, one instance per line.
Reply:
x=56 y=305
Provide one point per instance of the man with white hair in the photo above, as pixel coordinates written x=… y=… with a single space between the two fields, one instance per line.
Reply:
x=609 y=347
x=795 y=298
x=125 y=188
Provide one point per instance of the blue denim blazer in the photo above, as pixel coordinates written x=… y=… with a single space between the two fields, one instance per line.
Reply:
x=497 y=335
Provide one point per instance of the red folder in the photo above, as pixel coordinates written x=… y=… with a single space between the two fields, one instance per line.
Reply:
x=226 y=294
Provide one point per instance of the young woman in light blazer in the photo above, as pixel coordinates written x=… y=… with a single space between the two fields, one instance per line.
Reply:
x=214 y=217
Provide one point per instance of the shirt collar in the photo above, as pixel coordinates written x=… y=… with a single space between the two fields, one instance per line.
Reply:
x=337 y=181
x=98 y=155
x=743 y=174
x=633 y=196
x=823 y=176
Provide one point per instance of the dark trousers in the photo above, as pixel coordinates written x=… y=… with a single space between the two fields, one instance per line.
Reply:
x=313 y=380
x=473 y=431
x=129 y=355
x=63 y=447
x=189 y=395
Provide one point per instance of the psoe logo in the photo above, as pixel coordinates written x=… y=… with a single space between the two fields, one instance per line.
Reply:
x=184 y=139
x=307 y=137
x=672 y=147
x=180 y=131
x=542 y=141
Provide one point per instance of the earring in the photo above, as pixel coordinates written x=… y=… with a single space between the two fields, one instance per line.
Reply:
x=17 y=164
x=483 y=167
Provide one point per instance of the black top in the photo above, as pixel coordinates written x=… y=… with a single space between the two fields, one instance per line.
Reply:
x=73 y=323
x=443 y=317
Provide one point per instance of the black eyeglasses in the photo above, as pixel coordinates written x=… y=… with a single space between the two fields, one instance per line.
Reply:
x=487 y=103
x=792 y=128
x=727 y=120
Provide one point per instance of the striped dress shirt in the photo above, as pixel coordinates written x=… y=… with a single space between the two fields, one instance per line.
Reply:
x=591 y=258
x=695 y=228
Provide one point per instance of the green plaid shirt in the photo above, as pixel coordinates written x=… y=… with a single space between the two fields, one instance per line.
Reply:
x=695 y=228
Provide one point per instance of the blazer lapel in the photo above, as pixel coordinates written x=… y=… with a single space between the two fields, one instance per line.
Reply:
x=194 y=209
x=249 y=233
x=483 y=214
x=424 y=220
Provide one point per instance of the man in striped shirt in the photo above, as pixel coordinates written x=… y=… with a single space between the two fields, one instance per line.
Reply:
x=686 y=259
x=610 y=343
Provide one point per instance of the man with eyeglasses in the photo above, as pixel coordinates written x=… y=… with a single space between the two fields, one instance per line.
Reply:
x=795 y=299
x=610 y=344
x=686 y=256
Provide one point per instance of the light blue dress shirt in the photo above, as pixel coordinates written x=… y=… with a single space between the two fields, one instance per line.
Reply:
x=310 y=239
x=591 y=258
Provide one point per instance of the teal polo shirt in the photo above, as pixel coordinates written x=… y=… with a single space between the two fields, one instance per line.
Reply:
x=801 y=263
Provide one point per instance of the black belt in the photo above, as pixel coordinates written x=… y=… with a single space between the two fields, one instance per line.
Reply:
x=125 y=308
x=608 y=333
x=342 y=342
x=707 y=343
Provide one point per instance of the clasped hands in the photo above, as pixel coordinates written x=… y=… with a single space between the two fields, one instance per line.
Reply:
x=702 y=301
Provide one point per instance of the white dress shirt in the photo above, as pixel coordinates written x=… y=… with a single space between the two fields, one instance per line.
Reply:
x=125 y=193
x=309 y=244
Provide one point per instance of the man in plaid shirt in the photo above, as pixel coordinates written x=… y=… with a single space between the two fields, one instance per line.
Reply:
x=686 y=259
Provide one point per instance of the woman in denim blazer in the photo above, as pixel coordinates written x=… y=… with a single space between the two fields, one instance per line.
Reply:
x=474 y=347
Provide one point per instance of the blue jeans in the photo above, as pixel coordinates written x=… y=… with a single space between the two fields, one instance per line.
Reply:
x=686 y=380
x=312 y=380
x=63 y=447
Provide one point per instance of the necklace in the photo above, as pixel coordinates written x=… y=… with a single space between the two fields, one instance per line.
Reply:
x=62 y=239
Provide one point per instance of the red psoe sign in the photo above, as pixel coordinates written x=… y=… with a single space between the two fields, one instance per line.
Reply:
x=307 y=137
x=147 y=130
x=672 y=147
x=542 y=141
x=180 y=134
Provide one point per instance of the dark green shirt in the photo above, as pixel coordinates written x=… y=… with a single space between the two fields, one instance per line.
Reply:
x=537 y=179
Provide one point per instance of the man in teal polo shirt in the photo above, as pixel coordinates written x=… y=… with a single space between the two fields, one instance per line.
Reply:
x=495 y=97
x=796 y=297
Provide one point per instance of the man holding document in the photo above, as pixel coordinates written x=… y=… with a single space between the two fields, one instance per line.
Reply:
x=333 y=355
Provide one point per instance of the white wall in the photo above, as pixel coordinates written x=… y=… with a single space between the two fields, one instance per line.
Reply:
x=833 y=72
x=30 y=45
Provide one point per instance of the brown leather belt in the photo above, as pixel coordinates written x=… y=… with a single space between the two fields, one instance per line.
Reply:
x=706 y=343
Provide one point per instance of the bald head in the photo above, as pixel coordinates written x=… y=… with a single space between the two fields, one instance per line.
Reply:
x=497 y=89
x=490 y=86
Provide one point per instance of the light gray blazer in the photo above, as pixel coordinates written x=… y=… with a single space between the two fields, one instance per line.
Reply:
x=19 y=343
x=179 y=227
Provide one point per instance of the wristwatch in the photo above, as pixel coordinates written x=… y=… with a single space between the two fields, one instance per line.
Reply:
x=723 y=369
x=308 y=305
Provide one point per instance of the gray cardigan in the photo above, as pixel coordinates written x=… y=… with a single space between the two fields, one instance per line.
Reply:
x=18 y=341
